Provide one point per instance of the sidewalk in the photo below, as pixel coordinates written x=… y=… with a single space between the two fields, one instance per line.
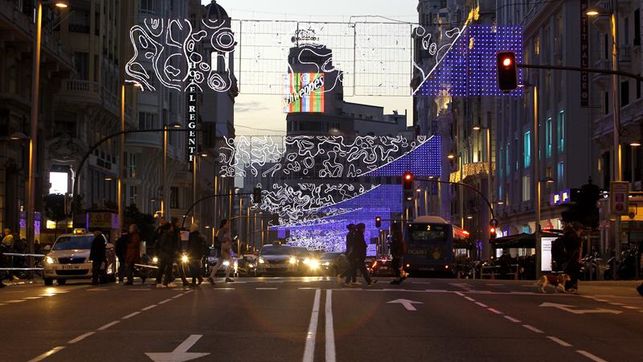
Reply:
x=622 y=288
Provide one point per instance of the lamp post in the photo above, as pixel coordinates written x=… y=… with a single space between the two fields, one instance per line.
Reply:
x=194 y=181
x=487 y=130
x=617 y=174
x=33 y=139
x=165 y=209
x=121 y=161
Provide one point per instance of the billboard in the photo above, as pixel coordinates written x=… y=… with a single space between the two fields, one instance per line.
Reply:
x=304 y=93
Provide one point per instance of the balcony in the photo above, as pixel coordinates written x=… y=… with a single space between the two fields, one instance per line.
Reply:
x=631 y=117
x=80 y=92
x=472 y=169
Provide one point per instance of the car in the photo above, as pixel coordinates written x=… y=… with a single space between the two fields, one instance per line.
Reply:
x=381 y=266
x=69 y=259
x=331 y=263
x=276 y=258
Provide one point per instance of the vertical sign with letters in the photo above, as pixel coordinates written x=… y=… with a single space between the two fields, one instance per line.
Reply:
x=193 y=119
x=584 y=53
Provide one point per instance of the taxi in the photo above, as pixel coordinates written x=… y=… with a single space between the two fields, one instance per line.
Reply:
x=69 y=258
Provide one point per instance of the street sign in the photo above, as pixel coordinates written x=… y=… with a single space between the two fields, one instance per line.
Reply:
x=619 y=192
x=180 y=353
x=407 y=304
x=569 y=309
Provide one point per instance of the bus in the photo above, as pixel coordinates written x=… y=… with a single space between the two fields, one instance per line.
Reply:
x=432 y=244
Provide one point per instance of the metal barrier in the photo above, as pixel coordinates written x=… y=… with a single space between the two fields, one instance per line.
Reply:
x=12 y=255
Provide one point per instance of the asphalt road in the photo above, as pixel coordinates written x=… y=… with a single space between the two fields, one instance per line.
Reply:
x=315 y=319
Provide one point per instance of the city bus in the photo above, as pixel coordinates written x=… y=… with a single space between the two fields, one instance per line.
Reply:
x=431 y=245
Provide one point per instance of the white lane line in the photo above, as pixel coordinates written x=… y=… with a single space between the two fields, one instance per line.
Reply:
x=223 y=288
x=330 y=332
x=470 y=299
x=616 y=303
x=177 y=296
x=108 y=325
x=629 y=307
x=32 y=298
x=533 y=329
x=559 y=341
x=15 y=301
x=459 y=293
x=482 y=305
x=495 y=311
x=601 y=300
x=512 y=319
x=150 y=307
x=165 y=301
x=131 y=315
x=2 y=304
x=306 y=288
x=47 y=354
x=266 y=288
x=81 y=337
x=590 y=356
x=309 y=352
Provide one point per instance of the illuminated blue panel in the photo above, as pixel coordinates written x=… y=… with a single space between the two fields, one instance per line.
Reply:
x=469 y=68
x=424 y=161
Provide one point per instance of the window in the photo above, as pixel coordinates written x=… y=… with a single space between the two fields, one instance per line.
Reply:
x=81 y=65
x=133 y=193
x=174 y=197
x=148 y=6
x=561 y=131
x=526 y=188
x=606 y=103
x=549 y=136
x=637 y=27
x=606 y=47
x=625 y=93
x=130 y=164
x=526 y=150
x=560 y=174
x=79 y=21
x=146 y=120
x=507 y=160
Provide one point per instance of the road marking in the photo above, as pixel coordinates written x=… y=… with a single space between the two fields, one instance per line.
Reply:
x=616 y=303
x=15 y=301
x=32 y=298
x=512 y=319
x=559 y=341
x=590 y=356
x=306 y=288
x=330 y=333
x=131 y=315
x=482 y=305
x=459 y=293
x=223 y=288
x=180 y=353
x=432 y=291
x=407 y=304
x=165 y=301
x=630 y=307
x=177 y=296
x=149 y=307
x=81 y=337
x=309 y=352
x=2 y=304
x=533 y=329
x=108 y=325
x=495 y=311
x=464 y=286
x=47 y=354
x=266 y=288
x=470 y=299
x=569 y=309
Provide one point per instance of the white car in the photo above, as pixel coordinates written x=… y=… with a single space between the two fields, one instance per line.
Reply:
x=69 y=258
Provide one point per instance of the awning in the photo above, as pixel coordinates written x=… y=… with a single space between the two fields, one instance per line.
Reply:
x=522 y=240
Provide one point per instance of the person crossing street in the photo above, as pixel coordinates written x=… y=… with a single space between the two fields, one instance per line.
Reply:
x=357 y=257
x=225 y=237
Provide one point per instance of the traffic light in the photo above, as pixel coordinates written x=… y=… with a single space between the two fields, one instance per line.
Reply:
x=507 y=71
x=256 y=195
x=407 y=185
x=492 y=233
x=378 y=221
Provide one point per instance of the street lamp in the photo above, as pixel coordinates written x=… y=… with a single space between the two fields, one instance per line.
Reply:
x=33 y=142
x=616 y=109
x=18 y=136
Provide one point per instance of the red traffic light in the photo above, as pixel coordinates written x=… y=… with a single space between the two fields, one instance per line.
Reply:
x=378 y=221
x=507 y=71
x=408 y=176
x=507 y=62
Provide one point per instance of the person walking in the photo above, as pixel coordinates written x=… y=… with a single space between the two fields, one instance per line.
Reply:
x=358 y=257
x=98 y=256
x=120 y=249
x=132 y=252
x=166 y=248
x=225 y=237
x=398 y=250
x=344 y=266
x=573 y=244
x=196 y=249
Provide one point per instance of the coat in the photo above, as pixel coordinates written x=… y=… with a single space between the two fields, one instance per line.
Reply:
x=98 y=252
x=197 y=246
x=167 y=244
x=359 y=247
x=133 y=250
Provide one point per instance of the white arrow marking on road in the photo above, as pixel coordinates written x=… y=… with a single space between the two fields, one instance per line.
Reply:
x=408 y=304
x=569 y=308
x=180 y=353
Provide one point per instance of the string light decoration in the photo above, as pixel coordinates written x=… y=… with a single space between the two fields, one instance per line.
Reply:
x=167 y=54
x=324 y=157
x=469 y=67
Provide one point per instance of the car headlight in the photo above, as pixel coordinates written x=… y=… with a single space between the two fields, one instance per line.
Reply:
x=185 y=258
x=155 y=260
x=261 y=261
x=326 y=263
x=313 y=264
x=251 y=266
x=292 y=260
x=49 y=260
x=306 y=261
x=226 y=263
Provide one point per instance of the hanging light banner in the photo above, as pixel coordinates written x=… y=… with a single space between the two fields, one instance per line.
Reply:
x=193 y=119
x=304 y=93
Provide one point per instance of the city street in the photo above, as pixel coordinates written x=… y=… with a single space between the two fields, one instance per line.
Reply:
x=315 y=319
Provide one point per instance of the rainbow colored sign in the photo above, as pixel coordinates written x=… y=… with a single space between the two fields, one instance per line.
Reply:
x=304 y=93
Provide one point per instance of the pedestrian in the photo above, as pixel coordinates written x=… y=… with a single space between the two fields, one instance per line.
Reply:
x=344 y=264
x=225 y=237
x=132 y=252
x=358 y=257
x=98 y=257
x=573 y=243
x=166 y=249
x=120 y=249
x=7 y=239
x=196 y=249
x=398 y=250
